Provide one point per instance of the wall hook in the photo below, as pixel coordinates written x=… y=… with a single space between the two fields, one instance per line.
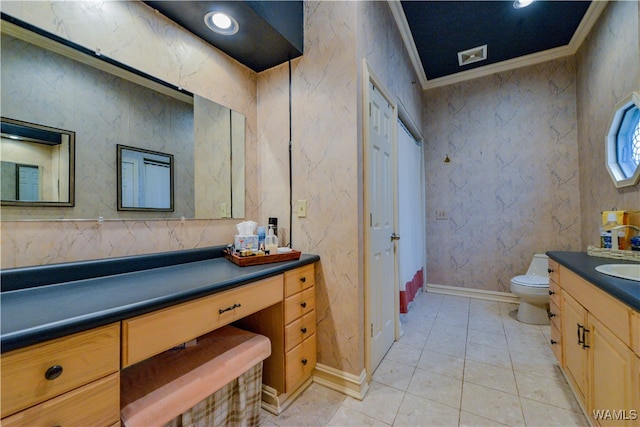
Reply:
x=447 y=159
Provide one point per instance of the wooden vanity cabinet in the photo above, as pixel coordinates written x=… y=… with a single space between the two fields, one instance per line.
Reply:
x=291 y=327
x=597 y=354
x=72 y=380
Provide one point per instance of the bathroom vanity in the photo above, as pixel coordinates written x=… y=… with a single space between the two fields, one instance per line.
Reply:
x=68 y=329
x=595 y=336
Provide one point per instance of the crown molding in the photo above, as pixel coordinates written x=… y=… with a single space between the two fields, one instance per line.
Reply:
x=581 y=33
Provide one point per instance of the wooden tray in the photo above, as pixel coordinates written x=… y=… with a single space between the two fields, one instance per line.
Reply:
x=244 y=261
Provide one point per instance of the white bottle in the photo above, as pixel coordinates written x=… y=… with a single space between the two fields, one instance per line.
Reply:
x=271 y=242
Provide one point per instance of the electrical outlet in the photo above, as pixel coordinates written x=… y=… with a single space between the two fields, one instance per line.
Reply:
x=440 y=215
x=302 y=209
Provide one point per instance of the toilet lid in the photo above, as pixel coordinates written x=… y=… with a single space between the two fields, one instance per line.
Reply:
x=537 y=281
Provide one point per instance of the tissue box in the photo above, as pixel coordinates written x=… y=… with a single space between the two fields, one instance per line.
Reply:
x=249 y=242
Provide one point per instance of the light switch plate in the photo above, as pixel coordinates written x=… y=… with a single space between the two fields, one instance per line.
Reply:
x=302 y=208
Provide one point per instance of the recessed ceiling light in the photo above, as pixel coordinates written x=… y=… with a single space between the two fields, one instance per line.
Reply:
x=519 y=4
x=221 y=23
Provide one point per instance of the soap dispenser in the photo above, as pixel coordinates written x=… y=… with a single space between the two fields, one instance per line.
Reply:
x=271 y=242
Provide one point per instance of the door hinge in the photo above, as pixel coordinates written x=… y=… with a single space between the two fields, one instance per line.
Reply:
x=369 y=109
x=370 y=220
x=372 y=330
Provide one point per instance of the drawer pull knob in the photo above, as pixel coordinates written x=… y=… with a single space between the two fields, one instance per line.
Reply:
x=550 y=270
x=303 y=330
x=303 y=279
x=53 y=372
x=304 y=361
x=303 y=305
x=552 y=314
x=234 y=306
x=554 y=342
x=551 y=293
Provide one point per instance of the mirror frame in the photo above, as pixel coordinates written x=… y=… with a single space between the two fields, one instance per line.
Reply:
x=72 y=168
x=119 y=149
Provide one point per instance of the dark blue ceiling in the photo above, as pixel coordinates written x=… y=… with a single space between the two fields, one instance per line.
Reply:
x=441 y=29
x=270 y=32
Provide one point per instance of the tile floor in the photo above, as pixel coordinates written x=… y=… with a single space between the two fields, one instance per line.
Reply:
x=461 y=362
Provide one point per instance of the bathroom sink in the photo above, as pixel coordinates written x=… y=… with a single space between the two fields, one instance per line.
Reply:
x=623 y=271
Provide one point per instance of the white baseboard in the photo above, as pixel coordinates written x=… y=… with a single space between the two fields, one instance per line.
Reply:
x=352 y=385
x=473 y=293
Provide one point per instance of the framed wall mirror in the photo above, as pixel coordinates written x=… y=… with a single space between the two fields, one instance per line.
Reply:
x=37 y=166
x=106 y=103
x=145 y=180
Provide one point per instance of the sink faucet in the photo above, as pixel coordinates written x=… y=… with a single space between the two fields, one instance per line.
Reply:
x=614 y=234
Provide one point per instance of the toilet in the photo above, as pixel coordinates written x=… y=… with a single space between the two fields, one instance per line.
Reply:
x=533 y=290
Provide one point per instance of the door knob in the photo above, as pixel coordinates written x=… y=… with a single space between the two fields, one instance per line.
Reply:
x=395 y=236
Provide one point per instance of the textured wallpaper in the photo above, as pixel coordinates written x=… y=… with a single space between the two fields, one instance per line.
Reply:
x=608 y=69
x=511 y=188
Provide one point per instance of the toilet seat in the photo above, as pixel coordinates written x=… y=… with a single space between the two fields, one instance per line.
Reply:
x=531 y=280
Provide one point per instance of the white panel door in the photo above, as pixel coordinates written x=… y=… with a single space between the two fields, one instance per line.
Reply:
x=381 y=263
x=28 y=183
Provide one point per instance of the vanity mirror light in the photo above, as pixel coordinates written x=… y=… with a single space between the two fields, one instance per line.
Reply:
x=53 y=83
x=37 y=164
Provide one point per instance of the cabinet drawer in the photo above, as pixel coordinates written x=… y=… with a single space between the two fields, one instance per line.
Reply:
x=556 y=342
x=83 y=357
x=300 y=361
x=147 y=335
x=296 y=331
x=298 y=280
x=604 y=307
x=554 y=292
x=299 y=305
x=95 y=404
x=555 y=314
x=554 y=273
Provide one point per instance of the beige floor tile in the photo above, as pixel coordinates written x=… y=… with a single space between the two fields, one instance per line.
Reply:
x=487 y=324
x=348 y=417
x=492 y=404
x=496 y=339
x=536 y=363
x=381 y=402
x=471 y=420
x=490 y=376
x=546 y=390
x=404 y=353
x=491 y=355
x=449 y=331
x=540 y=414
x=393 y=374
x=442 y=364
x=416 y=411
x=314 y=407
x=414 y=337
x=446 y=345
x=436 y=387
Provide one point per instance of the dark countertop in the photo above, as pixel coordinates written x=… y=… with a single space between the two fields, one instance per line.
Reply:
x=584 y=265
x=35 y=314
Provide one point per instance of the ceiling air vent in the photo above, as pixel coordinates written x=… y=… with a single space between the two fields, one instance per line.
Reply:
x=470 y=56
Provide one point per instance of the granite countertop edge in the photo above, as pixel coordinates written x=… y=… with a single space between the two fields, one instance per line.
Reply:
x=36 y=314
x=627 y=291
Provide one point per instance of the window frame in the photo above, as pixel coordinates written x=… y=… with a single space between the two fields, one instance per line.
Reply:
x=620 y=171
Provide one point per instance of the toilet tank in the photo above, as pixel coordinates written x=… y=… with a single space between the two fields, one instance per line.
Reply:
x=539 y=265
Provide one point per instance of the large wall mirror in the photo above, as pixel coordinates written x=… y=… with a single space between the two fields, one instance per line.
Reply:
x=103 y=105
